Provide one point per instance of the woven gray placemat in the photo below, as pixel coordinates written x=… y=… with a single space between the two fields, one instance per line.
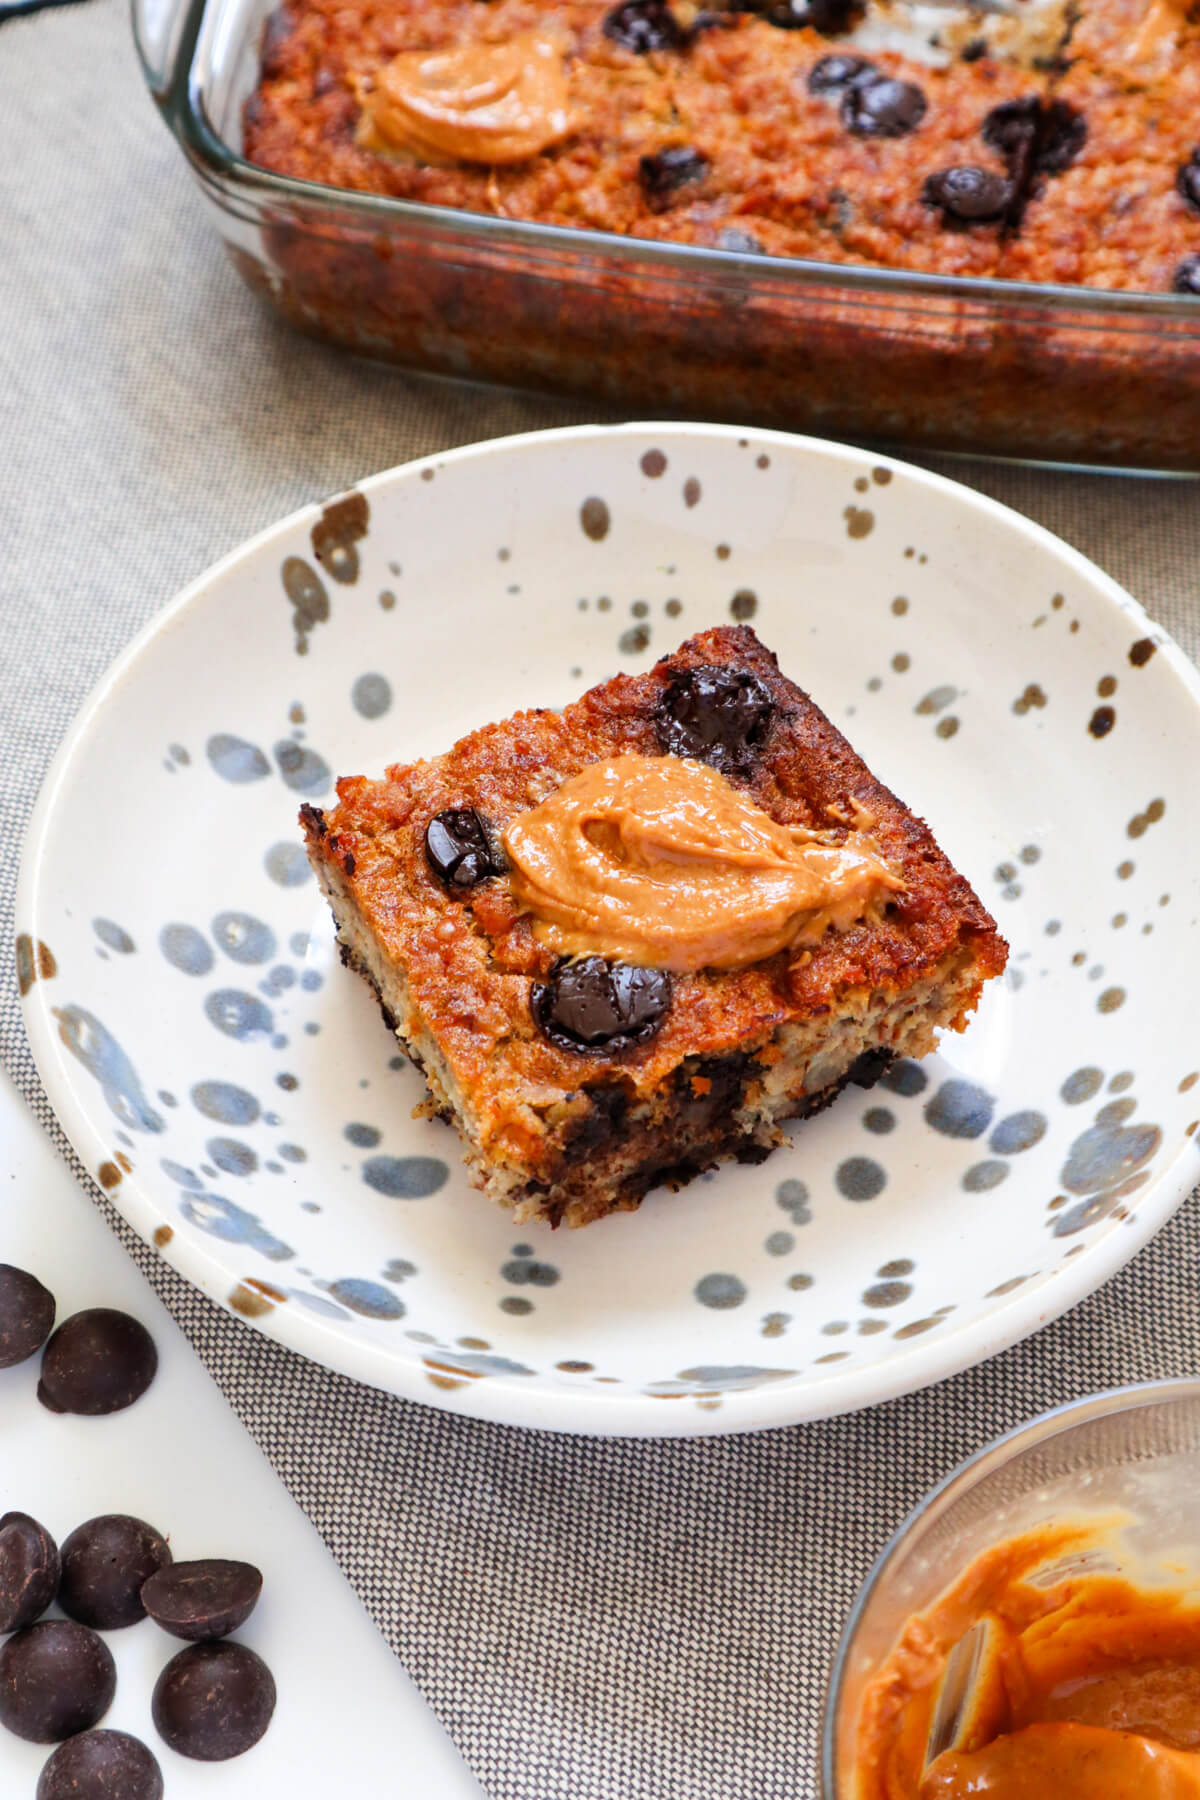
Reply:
x=591 y=1620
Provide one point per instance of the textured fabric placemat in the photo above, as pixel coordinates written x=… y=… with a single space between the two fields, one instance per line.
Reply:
x=591 y=1620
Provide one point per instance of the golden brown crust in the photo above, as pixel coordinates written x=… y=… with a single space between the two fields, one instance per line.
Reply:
x=469 y=961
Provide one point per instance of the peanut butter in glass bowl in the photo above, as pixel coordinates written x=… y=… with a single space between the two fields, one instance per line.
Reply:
x=1077 y=1538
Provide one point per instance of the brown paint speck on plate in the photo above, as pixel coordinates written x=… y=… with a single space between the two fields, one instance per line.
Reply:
x=595 y=518
x=1106 y=687
x=163 y=1235
x=1141 y=822
x=456 y=1374
x=860 y=521
x=1033 y=696
x=744 y=604
x=35 y=962
x=445 y=1383
x=691 y=491
x=654 y=464
x=254 y=1298
x=336 y=534
x=1102 y=721
x=1141 y=652
x=881 y=476
x=108 y=1175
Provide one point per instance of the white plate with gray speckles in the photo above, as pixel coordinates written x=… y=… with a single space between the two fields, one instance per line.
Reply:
x=234 y=1088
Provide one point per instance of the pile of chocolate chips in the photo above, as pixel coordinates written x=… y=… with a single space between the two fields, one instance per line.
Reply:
x=214 y=1699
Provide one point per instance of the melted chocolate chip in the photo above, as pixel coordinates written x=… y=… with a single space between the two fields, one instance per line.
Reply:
x=98 y=1361
x=459 y=848
x=1010 y=126
x=716 y=715
x=663 y=174
x=1061 y=137
x=967 y=195
x=29 y=1570
x=200 y=1601
x=1188 y=181
x=883 y=108
x=56 y=1678
x=1036 y=138
x=101 y=1765
x=105 y=1563
x=833 y=74
x=213 y=1701
x=644 y=25
x=596 y=1008
x=829 y=17
x=26 y=1315
x=1186 y=279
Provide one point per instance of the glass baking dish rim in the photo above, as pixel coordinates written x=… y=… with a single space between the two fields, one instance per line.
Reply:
x=179 y=96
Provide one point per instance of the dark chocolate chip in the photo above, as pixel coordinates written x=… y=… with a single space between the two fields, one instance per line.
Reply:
x=884 y=108
x=974 y=50
x=56 y=1678
x=459 y=848
x=829 y=17
x=644 y=25
x=213 y=1701
x=202 y=1600
x=26 y=1315
x=717 y=715
x=98 y=1361
x=1035 y=137
x=105 y=1564
x=968 y=195
x=833 y=74
x=595 y=1007
x=870 y=1066
x=29 y=1570
x=101 y=1765
x=314 y=819
x=661 y=175
x=731 y=237
x=1062 y=135
x=1188 y=181
x=1186 y=279
x=1013 y=124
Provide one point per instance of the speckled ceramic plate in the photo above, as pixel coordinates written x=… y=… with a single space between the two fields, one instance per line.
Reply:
x=235 y=1091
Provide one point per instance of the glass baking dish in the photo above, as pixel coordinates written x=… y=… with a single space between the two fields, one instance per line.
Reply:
x=1054 y=374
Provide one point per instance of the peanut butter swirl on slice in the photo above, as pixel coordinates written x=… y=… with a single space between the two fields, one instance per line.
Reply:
x=484 y=103
x=661 y=861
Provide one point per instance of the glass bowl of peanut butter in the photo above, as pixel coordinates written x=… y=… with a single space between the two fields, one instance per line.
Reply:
x=1066 y=1555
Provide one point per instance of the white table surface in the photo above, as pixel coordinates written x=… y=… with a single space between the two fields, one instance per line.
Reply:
x=348 y=1720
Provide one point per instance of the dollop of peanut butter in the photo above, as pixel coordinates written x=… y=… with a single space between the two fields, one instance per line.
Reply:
x=661 y=861
x=486 y=103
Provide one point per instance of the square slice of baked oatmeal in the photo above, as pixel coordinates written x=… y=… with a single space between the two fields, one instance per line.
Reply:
x=627 y=940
